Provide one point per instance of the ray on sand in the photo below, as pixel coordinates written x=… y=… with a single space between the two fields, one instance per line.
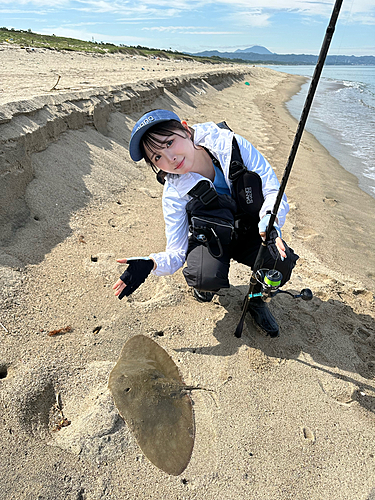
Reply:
x=151 y=397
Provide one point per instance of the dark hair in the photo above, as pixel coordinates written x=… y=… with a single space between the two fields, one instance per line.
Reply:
x=152 y=142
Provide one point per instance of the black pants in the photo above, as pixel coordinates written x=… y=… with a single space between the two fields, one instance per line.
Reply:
x=207 y=273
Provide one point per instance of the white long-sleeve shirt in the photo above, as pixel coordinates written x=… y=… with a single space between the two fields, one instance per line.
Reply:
x=176 y=188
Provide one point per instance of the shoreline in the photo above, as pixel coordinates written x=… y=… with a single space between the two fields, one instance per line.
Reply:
x=287 y=418
x=339 y=149
x=336 y=132
x=320 y=211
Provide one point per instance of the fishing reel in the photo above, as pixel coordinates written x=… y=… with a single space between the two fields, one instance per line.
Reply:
x=270 y=280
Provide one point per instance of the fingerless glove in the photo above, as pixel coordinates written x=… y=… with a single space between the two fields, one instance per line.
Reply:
x=263 y=224
x=271 y=245
x=135 y=275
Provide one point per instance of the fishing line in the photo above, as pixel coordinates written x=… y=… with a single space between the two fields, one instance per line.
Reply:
x=305 y=294
x=344 y=26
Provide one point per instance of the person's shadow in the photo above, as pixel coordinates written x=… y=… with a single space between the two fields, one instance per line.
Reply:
x=327 y=336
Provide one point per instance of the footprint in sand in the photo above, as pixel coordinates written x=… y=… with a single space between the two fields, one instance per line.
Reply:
x=331 y=202
x=364 y=342
x=207 y=437
x=156 y=293
x=366 y=295
x=305 y=233
x=120 y=224
x=81 y=418
x=308 y=435
x=95 y=431
x=340 y=390
x=151 y=193
x=307 y=327
x=362 y=334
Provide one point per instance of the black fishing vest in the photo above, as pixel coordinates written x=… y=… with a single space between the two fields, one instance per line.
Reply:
x=246 y=187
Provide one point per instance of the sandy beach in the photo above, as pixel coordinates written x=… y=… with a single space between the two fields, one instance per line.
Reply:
x=287 y=418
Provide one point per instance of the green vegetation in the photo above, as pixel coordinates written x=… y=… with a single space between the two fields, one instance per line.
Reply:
x=35 y=40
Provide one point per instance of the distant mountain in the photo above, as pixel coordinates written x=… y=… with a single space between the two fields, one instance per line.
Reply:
x=256 y=49
x=270 y=58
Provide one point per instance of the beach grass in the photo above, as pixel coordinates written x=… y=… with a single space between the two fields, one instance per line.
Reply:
x=29 y=39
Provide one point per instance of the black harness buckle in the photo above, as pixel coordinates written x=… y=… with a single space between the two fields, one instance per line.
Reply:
x=204 y=192
x=237 y=168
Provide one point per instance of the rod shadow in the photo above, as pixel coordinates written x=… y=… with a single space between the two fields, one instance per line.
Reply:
x=330 y=332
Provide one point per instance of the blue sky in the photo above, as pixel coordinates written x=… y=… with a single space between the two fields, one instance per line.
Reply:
x=283 y=26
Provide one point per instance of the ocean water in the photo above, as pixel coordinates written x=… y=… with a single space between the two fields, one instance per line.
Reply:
x=342 y=116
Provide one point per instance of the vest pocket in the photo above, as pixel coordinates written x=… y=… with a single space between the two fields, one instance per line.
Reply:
x=212 y=232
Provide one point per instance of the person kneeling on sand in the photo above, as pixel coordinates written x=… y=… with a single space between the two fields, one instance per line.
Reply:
x=204 y=226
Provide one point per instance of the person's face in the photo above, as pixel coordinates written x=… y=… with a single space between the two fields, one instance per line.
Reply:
x=176 y=154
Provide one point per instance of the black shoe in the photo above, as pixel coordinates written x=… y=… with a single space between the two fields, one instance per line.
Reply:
x=203 y=296
x=263 y=317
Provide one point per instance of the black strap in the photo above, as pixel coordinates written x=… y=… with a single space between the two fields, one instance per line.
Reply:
x=204 y=192
x=246 y=186
x=237 y=167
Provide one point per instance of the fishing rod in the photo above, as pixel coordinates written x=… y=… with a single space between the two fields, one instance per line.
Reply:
x=301 y=125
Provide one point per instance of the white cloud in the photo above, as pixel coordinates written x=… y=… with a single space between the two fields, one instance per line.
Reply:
x=212 y=33
x=232 y=14
x=77 y=25
x=36 y=3
x=272 y=6
x=253 y=12
x=19 y=11
x=86 y=35
x=136 y=20
x=164 y=8
x=189 y=30
x=96 y=6
x=362 y=19
x=170 y=28
x=133 y=10
x=255 y=18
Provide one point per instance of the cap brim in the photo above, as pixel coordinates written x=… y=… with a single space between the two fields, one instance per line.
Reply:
x=143 y=124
